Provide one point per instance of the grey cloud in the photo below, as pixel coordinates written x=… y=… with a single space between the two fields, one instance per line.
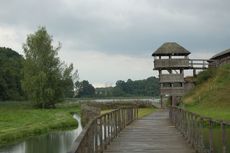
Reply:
x=125 y=26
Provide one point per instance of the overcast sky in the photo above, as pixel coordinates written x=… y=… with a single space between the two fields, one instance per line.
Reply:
x=110 y=40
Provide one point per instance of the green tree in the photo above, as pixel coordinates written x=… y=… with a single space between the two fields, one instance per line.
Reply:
x=67 y=82
x=10 y=74
x=85 y=89
x=44 y=74
x=117 y=92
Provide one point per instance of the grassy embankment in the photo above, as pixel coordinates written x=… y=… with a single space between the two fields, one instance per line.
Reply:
x=20 y=120
x=211 y=96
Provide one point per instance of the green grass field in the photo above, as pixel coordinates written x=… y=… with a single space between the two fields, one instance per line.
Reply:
x=19 y=120
x=211 y=97
x=145 y=111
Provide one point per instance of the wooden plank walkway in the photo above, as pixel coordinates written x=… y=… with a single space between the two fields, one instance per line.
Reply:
x=151 y=134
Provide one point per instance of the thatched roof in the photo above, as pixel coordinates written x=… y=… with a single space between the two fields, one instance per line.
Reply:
x=223 y=53
x=171 y=48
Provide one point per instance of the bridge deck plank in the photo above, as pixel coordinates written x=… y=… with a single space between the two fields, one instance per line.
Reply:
x=151 y=134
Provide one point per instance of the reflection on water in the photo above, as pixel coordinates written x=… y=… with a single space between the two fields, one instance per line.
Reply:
x=56 y=142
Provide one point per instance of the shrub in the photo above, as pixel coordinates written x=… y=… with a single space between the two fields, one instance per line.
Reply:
x=205 y=75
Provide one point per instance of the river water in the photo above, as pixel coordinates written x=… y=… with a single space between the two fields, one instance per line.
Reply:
x=54 y=142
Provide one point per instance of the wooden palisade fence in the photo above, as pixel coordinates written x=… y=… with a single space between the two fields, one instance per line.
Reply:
x=100 y=131
x=205 y=134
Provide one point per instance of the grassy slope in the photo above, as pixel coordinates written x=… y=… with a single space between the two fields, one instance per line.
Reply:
x=211 y=97
x=20 y=120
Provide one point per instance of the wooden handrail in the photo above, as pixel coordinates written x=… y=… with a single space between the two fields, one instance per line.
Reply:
x=101 y=130
x=193 y=125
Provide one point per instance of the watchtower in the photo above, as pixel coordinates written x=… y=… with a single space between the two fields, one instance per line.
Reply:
x=171 y=60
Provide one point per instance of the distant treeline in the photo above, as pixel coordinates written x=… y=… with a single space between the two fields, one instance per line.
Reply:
x=11 y=84
x=146 y=87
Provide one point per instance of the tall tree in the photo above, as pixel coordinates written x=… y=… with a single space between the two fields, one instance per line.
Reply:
x=85 y=89
x=43 y=72
x=10 y=74
x=67 y=82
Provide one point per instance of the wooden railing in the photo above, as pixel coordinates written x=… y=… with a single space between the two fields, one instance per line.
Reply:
x=198 y=63
x=171 y=78
x=205 y=134
x=100 y=131
x=171 y=63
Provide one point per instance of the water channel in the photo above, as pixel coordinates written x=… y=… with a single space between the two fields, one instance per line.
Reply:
x=54 y=142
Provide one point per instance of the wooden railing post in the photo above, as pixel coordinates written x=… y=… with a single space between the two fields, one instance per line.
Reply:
x=110 y=128
x=189 y=127
x=115 y=125
x=91 y=143
x=196 y=132
x=193 y=131
x=101 y=136
x=201 y=147
x=119 y=120
x=210 y=136
x=125 y=117
x=95 y=135
x=223 y=137
x=111 y=118
x=105 y=132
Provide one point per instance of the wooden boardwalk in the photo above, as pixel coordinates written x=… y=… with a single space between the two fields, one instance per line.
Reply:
x=151 y=134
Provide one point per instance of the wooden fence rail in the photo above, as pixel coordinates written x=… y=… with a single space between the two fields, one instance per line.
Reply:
x=205 y=134
x=100 y=131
